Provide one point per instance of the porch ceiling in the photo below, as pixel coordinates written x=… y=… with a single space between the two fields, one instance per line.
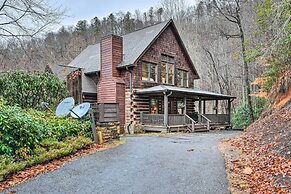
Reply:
x=180 y=92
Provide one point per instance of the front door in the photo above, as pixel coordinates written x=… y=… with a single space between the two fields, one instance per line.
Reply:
x=173 y=106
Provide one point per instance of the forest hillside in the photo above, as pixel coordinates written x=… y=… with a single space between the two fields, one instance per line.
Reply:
x=259 y=159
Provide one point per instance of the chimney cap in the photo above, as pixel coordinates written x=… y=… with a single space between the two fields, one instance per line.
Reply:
x=111 y=35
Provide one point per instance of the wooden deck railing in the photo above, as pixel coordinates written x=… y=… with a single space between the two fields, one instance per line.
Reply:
x=176 y=119
x=189 y=122
x=204 y=119
x=181 y=119
x=152 y=119
x=218 y=118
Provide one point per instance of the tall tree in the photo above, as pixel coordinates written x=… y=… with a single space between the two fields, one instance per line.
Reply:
x=231 y=11
x=151 y=15
x=112 y=23
x=159 y=13
x=81 y=27
x=96 y=26
x=128 y=23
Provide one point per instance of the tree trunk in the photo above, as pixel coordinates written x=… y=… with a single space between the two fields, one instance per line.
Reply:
x=246 y=73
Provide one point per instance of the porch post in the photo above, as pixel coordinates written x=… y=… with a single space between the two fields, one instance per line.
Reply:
x=216 y=106
x=204 y=106
x=200 y=111
x=165 y=109
x=229 y=109
x=185 y=104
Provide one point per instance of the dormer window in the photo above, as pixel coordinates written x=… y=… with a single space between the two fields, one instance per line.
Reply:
x=149 y=72
x=167 y=69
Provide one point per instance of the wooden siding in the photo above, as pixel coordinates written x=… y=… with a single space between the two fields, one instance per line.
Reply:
x=120 y=99
x=166 y=44
x=128 y=107
x=74 y=85
x=139 y=104
x=105 y=112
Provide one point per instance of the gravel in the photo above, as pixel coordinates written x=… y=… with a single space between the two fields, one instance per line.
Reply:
x=189 y=163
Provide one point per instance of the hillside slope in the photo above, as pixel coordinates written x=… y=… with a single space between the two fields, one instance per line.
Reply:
x=259 y=159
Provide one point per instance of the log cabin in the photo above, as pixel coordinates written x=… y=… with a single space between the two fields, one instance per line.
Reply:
x=151 y=76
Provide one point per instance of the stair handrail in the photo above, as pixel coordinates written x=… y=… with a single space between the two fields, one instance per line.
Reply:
x=192 y=122
x=208 y=121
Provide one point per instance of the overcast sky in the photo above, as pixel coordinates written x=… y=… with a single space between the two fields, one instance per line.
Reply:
x=88 y=9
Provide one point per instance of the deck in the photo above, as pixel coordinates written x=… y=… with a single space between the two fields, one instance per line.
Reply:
x=183 y=122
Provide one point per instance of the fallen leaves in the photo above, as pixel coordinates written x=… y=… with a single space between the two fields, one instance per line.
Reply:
x=247 y=170
x=258 y=160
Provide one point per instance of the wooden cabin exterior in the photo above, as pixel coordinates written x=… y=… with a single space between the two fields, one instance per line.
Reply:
x=143 y=71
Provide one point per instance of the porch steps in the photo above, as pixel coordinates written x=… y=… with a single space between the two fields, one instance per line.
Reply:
x=154 y=128
x=199 y=127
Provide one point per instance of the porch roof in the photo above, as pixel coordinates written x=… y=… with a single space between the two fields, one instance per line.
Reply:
x=206 y=95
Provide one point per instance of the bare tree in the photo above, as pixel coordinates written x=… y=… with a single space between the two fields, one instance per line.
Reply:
x=174 y=9
x=230 y=10
x=26 y=18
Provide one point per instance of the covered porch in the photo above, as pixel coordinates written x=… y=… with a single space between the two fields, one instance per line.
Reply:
x=173 y=108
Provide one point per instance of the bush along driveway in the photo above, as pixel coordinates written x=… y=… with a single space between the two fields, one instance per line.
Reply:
x=178 y=163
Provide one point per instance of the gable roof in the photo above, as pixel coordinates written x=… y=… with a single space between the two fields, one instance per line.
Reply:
x=135 y=44
x=88 y=59
x=61 y=71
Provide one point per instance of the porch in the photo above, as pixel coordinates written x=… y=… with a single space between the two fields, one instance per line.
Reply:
x=180 y=114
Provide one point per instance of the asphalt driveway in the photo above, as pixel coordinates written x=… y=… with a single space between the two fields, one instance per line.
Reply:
x=165 y=164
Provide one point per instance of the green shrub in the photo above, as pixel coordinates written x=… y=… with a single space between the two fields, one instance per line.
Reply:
x=21 y=131
x=241 y=119
x=46 y=151
x=29 y=90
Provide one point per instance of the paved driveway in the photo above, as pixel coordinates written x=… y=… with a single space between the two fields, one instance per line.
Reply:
x=166 y=164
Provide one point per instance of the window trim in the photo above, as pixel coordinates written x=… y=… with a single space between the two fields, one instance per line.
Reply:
x=149 y=64
x=167 y=63
x=182 y=78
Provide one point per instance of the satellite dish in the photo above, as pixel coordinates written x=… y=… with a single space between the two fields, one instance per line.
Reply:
x=80 y=110
x=64 y=108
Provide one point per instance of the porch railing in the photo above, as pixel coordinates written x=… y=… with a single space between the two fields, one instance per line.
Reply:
x=181 y=119
x=189 y=122
x=152 y=119
x=176 y=119
x=218 y=118
x=204 y=119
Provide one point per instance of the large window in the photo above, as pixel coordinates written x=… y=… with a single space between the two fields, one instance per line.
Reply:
x=182 y=78
x=167 y=70
x=149 y=72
